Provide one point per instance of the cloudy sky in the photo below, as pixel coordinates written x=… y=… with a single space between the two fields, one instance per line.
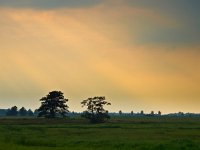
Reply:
x=140 y=54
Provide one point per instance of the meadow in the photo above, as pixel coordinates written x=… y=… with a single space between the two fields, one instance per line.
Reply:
x=138 y=133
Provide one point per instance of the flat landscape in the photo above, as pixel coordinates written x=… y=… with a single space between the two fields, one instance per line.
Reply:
x=137 y=133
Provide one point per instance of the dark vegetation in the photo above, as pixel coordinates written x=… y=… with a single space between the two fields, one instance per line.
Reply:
x=95 y=111
x=53 y=105
x=14 y=112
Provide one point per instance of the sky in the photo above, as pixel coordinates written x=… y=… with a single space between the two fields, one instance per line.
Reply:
x=139 y=54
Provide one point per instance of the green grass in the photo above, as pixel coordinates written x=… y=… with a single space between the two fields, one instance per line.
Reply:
x=118 y=134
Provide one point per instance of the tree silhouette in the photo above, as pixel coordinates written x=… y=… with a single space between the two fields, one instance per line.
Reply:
x=120 y=112
x=159 y=113
x=22 y=111
x=132 y=113
x=95 y=111
x=152 y=113
x=53 y=105
x=142 y=112
x=12 y=112
x=30 y=112
x=36 y=112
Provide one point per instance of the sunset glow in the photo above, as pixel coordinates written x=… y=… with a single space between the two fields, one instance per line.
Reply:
x=141 y=57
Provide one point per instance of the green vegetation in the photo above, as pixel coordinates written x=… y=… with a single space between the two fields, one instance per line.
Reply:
x=144 y=133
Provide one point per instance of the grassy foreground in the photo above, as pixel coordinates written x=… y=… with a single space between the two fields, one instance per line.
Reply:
x=118 y=134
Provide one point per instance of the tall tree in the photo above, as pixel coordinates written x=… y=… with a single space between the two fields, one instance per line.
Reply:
x=22 y=111
x=53 y=105
x=95 y=109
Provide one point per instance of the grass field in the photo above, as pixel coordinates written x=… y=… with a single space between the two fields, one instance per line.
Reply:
x=118 y=134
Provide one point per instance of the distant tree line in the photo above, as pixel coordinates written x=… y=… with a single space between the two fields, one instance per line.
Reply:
x=14 y=111
x=54 y=105
x=139 y=113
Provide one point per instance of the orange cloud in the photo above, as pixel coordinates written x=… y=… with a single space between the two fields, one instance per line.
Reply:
x=87 y=52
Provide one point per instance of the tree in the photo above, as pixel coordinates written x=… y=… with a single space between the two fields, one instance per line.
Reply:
x=142 y=112
x=30 y=112
x=120 y=112
x=36 y=112
x=152 y=113
x=22 y=111
x=12 y=112
x=132 y=113
x=95 y=111
x=159 y=113
x=53 y=105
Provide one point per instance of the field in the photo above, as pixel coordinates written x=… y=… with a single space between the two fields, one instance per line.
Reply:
x=147 y=133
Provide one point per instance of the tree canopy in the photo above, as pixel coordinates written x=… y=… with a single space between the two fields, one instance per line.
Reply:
x=23 y=111
x=13 y=111
x=95 y=109
x=53 y=105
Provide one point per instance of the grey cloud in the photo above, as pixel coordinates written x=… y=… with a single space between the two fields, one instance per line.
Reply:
x=48 y=4
x=184 y=11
